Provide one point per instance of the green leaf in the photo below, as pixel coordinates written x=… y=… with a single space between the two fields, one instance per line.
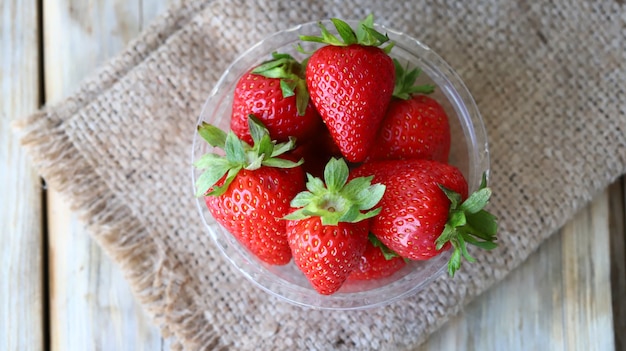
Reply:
x=423 y=89
x=379 y=37
x=370 y=197
x=338 y=200
x=453 y=196
x=455 y=262
x=445 y=236
x=354 y=189
x=328 y=37
x=254 y=162
x=365 y=35
x=302 y=97
x=268 y=66
x=264 y=148
x=369 y=214
x=386 y=251
x=213 y=135
x=311 y=38
x=405 y=82
x=463 y=247
x=230 y=176
x=387 y=49
x=410 y=77
x=297 y=215
x=483 y=182
x=361 y=33
x=281 y=148
x=485 y=245
x=457 y=219
x=211 y=176
x=278 y=56
x=207 y=160
x=336 y=174
x=345 y=31
x=483 y=222
x=476 y=201
x=287 y=88
x=302 y=199
x=351 y=215
x=315 y=185
x=256 y=128
x=234 y=149
x=281 y=163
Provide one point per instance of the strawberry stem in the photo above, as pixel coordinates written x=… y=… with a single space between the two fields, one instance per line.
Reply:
x=468 y=223
x=405 y=82
x=388 y=253
x=365 y=34
x=238 y=155
x=335 y=199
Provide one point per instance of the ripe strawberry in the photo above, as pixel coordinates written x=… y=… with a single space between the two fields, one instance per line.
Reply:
x=424 y=212
x=377 y=262
x=350 y=83
x=275 y=92
x=247 y=191
x=415 y=126
x=328 y=232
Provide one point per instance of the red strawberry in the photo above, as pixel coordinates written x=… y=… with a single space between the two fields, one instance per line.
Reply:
x=350 y=83
x=423 y=211
x=415 y=126
x=275 y=92
x=327 y=254
x=328 y=232
x=377 y=262
x=247 y=191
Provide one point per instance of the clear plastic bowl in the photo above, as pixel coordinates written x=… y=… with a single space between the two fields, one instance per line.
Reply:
x=469 y=152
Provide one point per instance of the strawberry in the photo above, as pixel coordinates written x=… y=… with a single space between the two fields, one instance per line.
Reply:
x=350 y=83
x=328 y=231
x=249 y=189
x=275 y=92
x=377 y=262
x=425 y=210
x=415 y=126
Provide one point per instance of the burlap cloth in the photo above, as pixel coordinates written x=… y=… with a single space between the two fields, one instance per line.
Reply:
x=548 y=77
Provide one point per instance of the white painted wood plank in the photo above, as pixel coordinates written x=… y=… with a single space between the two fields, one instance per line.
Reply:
x=92 y=307
x=559 y=299
x=617 y=208
x=587 y=310
x=21 y=237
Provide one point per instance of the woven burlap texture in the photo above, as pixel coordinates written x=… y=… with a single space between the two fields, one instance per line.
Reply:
x=548 y=77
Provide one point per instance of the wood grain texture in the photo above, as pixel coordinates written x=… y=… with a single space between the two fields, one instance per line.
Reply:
x=617 y=223
x=21 y=233
x=92 y=307
x=559 y=299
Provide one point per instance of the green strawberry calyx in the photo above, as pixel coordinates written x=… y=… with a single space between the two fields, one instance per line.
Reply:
x=292 y=77
x=238 y=155
x=405 y=82
x=468 y=223
x=388 y=253
x=365 y=35
x=335 y=199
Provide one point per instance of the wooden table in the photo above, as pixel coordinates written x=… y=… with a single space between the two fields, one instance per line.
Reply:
x=59 y=291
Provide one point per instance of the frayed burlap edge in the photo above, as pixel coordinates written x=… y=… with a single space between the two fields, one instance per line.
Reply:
x=152 y=273
x=153 y=276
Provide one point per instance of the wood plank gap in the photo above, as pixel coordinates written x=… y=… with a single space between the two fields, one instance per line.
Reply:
x=44 y=194
x=617 y=225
